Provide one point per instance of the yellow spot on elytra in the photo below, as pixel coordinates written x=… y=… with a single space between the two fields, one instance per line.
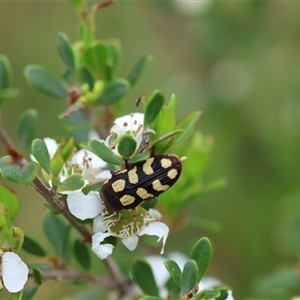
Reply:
x=147 y=166
x=127 y=199
x=158 y=186
x=172 y=173
x=143 y=193
x=122 y=171
x=118 y=185
x=132 y=176
x=166 y=163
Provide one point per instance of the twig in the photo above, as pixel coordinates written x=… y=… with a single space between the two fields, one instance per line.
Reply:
x=58 y=204
x=70 y=274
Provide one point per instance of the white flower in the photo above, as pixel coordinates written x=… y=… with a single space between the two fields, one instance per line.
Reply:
x=89 y=165
x=131 y=124
x=128 y=225
x=84 y=206
x=14 y=272
x=104 y=250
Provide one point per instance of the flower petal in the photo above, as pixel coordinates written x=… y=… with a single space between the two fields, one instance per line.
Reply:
x=133 y=121
x=106 y=174
x=156 y=228
x=131 y=242
x=84 y=206
x=94 y=160
x=101 y=250
x=98 y=224
x=14 y=272
x=51 y=145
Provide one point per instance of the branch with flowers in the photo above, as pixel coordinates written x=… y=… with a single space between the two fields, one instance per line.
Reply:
x=99 y=148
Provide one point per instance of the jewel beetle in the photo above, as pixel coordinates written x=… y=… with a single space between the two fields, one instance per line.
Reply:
x=141 y=181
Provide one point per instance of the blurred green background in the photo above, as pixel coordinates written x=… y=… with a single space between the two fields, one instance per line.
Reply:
x=237 y=62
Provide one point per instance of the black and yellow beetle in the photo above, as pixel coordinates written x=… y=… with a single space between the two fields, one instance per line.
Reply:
x=141 y=181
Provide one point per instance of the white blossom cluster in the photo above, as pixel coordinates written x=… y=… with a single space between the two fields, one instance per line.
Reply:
x=90 y=206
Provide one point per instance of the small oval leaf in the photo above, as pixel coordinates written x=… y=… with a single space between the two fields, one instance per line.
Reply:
x=114 y=91
x=82 y=254
x=96 y=56
x=30 y=292
x=201 y=254
x=72 y=183
x=153 y=107
x=66 y=53
x=139 y=157
x=126 y=146
x=101 y=150
x=5 y=72
x=32 y=247
x=37 y=275
x=189 y=277
x=27 y=128
x=58 y=234
x=40 y=152
x=138 y=69
x=174 y=271
x=188 y=125
x=10 y=201
x=143 y=276
x=45 y=82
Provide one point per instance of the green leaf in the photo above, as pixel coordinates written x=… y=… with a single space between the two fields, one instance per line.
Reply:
x=37 y=275
x=174 y=290
x=174 y=271
x=11 y=202
x=66 y=53
x=87 y=77
x=58 y=234
x=188 y=125
x=10 y=172
x=201 y=254
x=72 y=109
x=208 y=295
x=139 y=157
x=27 y=128
x=115 y=54
x=143 y=276
x=72 y=183
x=5 y=72
x=96 y=57
x=16 y=296
x=114 y=91
x=165 y=122
x=126 y=146
x=138 y=69
x=40 y=152
x=82 y=254
x=172 y=102
x=153 y=107
x=15 y=173
x=101 y=150
x=29 y=292
x=32 y=247
x=189 y=277
x=45 y=82
x=56 y=166
x=92 y=187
